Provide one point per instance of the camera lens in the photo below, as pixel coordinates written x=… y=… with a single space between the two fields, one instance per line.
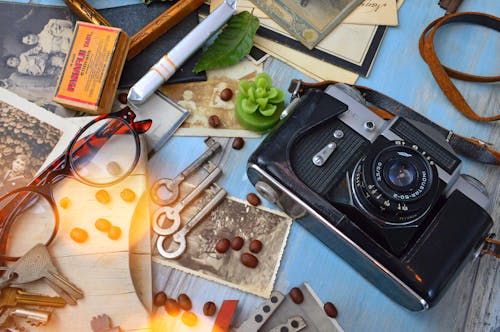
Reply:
x=394 y=183
x=401 y=174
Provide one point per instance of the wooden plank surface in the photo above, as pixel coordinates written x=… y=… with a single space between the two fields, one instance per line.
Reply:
x=111 y=273
x=472 y=302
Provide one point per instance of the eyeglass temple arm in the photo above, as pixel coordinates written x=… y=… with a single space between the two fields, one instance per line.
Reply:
x=142 y=126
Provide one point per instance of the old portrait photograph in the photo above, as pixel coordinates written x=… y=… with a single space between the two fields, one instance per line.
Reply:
x=202 y=99
x=34 y=41
x=231 y=218
x=29 y=138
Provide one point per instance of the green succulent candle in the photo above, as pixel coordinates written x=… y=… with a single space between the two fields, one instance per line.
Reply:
x=258 y=103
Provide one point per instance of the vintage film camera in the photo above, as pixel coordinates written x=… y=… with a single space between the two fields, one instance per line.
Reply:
x=387 y=196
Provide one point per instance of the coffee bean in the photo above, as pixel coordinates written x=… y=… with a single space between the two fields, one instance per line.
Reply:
x=238 y=143
x=209 y=309
x=330 y=310
x=213 y=121
x=249 y=260
x=255 y=246
x=253 y=199
x=172 y=307
x=226 y=94
x=159 y=299
x=222 y=246
x=237 y=243
x=122 y=98
x=189 y=318
x=184 y=302
x=296 y=295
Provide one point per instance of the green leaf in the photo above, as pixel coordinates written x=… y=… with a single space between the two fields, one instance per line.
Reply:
x=232 y=44
x=248 y=106
x=243 y=87
x=279 y=98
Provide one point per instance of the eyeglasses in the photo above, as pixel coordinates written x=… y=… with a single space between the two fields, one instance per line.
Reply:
x=102 y=153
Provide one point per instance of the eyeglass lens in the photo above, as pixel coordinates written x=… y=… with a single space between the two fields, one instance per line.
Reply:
x=107 y=154
x=32 y=219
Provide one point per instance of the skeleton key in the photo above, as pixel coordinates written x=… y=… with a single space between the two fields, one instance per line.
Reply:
x=180 y=236
x=173 y=213
x=11 y=297
x=37 y=264
x=172 y=185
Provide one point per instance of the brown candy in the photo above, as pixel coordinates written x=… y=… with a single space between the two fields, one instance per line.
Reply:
x=189 y=318
x=222 y=246
x=330 y=310
x=159 y=299
x=255 y=246
x=296 y=295
x=79 y=235
x=237 y=243
x=172 y=307
x=103 y=225
x=114 y=168
x=102 y=196
x=64 y=202
x=209 y=309
x=122 y=98
x=214 y=121
x=184 y=302
x=128 y=195
x=114 y=232
x=253 y=199
x=238 y=143
x=226 y=94
x=249 y=260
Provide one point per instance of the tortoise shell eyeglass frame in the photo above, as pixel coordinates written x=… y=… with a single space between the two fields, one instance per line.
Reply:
x=80 y=147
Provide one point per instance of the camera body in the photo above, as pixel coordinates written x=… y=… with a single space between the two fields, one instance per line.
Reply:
x=387 y=196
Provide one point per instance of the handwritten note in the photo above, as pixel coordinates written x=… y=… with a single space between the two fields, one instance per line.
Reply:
x=374 y=12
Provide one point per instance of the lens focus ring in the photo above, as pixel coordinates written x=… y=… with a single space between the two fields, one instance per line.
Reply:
x=394 y=184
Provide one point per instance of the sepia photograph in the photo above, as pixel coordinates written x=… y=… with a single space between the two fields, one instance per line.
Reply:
x=29 y=138
x=33 y=56
x=233 y=217
x=203 y=99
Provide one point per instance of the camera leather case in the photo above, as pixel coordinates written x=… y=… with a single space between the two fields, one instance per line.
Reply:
x=387 y=196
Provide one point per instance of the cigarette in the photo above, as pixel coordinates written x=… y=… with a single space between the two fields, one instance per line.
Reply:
x=157 y=27
x=86 y=12
x=169 y=63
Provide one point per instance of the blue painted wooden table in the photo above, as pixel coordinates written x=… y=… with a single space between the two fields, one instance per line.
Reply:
x=473 y=301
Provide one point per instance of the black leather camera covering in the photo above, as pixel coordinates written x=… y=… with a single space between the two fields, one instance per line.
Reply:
x=459 y=225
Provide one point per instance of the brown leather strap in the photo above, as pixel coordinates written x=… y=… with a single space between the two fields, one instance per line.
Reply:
x=442 y=73
x=386 y=107
x=491 y=247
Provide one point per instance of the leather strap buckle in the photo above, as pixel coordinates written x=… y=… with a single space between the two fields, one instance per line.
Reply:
x=491 y=247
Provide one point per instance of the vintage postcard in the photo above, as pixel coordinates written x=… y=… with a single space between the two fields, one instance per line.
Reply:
x=233 y=217
x=308 y=20
x=202 y=99
x=374 y=12
x=30 y=138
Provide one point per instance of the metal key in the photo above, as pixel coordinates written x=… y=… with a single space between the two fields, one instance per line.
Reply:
x=173 y=213
x=37 y=264
x=180 y=236
x=172 y=185
x=11 y=297
x=33 y=317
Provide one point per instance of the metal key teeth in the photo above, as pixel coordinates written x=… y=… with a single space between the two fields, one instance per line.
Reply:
x=213 y=189
x=209 y=166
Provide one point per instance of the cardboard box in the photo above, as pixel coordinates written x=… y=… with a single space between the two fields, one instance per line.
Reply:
x=93 y=67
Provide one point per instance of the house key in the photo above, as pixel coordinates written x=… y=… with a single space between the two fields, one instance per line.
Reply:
x=173 y=213
x=37 y=264
x=180 y=236
x=172 y=185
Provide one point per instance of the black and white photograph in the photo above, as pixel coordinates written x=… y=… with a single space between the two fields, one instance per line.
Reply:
x=232 y=218
x=29 y=138
x=33 y=56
